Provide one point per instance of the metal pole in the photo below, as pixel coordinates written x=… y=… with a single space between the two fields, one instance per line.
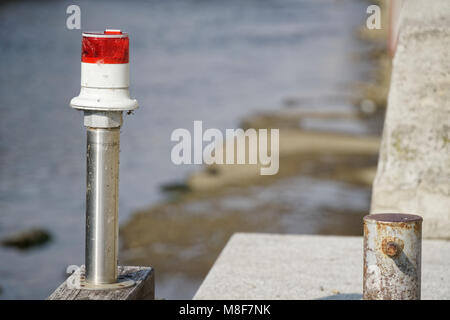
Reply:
x=102 y=195
x=103 y=97
x=392 y=257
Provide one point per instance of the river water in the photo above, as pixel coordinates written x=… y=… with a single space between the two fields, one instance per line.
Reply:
x=215 y=61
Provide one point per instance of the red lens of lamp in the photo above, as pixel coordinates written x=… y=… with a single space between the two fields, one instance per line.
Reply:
x=105 y=49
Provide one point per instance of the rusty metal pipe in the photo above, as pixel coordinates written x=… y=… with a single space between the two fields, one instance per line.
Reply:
x=392 y=257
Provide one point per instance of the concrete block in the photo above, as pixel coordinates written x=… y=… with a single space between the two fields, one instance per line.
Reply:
x=273 y=266
x=413 y=173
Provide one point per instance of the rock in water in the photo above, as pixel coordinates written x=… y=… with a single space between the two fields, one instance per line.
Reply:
x=27 y=239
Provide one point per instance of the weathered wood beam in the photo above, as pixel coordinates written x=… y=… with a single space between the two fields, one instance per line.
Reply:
x=144 y=289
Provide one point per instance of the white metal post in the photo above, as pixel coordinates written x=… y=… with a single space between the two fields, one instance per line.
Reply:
x=103 y=97
x=392 y=257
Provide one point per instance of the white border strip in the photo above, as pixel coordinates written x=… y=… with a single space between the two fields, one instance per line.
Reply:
x=102 y=35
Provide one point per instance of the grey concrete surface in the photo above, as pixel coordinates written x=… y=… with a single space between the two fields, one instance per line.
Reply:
x=413 y=174
x=272 y=266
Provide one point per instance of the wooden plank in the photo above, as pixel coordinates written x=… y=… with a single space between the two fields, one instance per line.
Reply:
x=144 y=289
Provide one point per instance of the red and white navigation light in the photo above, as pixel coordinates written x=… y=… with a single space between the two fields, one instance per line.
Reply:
x=103 y=97
x=105 y=72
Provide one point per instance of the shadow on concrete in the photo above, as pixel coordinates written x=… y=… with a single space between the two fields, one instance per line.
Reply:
x=343 y=296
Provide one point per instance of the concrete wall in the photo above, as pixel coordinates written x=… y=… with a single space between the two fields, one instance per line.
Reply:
x=413 y=173
x=274 y=266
